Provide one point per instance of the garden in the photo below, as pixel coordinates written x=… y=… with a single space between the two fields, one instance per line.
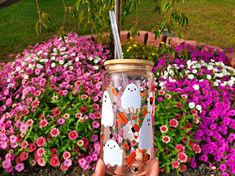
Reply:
x=51 y=98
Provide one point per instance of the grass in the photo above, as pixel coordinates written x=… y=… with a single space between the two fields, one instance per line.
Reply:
x=17 y=25
x=210 y=21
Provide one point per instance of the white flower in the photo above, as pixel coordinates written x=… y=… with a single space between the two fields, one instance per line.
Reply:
x=70 y=67
x=53 y=58
x=161 y=84
x=208 y=76
x=96 y=61
x=65 y=56
x=216 y=84
x=26 y=76
x=194 y=71
x=199 y=108
x=191 y=105
x=190 y=76
x=61 y=62
x=53 y=64
x=96 y=67
x=90 y=58
x=63 y=49
x=196 y=87
x=18 y=68
x=77 y=59
x=54 y=50
x=39 y=66
x=220 y=75
x=210 y=67
x=73 y=54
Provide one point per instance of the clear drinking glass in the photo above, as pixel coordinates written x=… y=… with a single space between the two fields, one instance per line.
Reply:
x=127 y=116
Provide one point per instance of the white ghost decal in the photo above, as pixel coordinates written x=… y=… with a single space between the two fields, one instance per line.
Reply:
x=107 y=118
x=146 y=134
x=131 y=97
x=112 y=153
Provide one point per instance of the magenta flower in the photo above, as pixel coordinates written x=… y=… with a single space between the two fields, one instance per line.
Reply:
x=19 y=167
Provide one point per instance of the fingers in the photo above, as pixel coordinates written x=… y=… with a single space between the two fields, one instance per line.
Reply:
x=154 y=169
x=100 y=169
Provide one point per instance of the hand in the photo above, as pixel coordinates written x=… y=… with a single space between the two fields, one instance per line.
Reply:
x=152 y=168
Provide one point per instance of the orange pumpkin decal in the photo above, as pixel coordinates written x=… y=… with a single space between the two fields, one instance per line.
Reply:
x=122 y=118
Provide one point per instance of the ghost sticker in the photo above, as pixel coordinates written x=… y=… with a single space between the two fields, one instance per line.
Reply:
x=112 y=153
x=146 y=134
x=131 y=97
x=107 y=110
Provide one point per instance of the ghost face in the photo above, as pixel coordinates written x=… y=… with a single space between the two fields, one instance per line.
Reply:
x=131 y=97
x=146 y=134
x=112 y=153
x=107 y=110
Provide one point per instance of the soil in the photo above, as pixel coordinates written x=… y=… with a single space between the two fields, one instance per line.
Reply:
x=5 y=3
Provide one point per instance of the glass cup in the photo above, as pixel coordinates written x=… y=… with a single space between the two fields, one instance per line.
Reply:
x=127 y=116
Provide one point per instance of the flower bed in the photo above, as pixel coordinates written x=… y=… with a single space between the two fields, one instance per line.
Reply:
x=210 y=87
x=50 y=101
x=50 y=105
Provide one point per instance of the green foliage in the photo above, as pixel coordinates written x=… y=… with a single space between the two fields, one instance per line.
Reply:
x=133 y=50
x=169 y=16
x=175 y=122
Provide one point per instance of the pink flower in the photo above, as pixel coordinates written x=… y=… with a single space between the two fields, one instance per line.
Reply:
x=95 y=124
x=80 y=143
x=23 y=127
x=41 y=141
x=166 y=139
x=35 y=103
x=29 y=122
x=78 y=115
x=41 y=162
x=182 y=157
x=66 y=155
x=9 y=102
x=56 y=112
x=82 y=162
x=13 y=139
x=43 y=123
x=184 y=96
x=54 y=132
x=23 y=156
x=40 y=152
x=183 y=168
x=196 y=148
x=66 y=115
x=61 y=121
x=175 y=164
x=168 y=96
x=180 y=147
x=73 y=135
x=163 y=128
x=173 y=123
x=63 y=167
x=32 y=147
x=68 y=162
x=19 y=167
x=54 y=161
x=6 y=164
